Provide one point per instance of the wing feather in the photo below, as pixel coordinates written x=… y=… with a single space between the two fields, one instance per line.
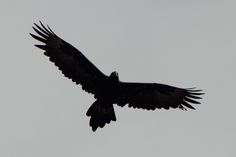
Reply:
x=69 y=60
x=152 y=95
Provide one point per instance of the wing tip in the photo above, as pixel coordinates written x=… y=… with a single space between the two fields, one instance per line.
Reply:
x=191 y=97
x=41 y=29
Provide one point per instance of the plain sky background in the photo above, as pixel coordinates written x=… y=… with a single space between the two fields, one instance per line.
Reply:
x=185 y=43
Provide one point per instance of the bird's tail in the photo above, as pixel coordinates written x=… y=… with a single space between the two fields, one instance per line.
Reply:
x=100 y=114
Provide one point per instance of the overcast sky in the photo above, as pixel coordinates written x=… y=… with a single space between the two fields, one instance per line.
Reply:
x=185 y=43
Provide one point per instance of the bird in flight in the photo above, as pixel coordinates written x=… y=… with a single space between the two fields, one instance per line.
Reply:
x=109 y=90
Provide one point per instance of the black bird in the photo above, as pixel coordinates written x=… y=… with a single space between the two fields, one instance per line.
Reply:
x=109 y=90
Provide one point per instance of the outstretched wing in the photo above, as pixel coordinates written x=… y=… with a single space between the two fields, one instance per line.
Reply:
x=151 y=96
x=69 y=60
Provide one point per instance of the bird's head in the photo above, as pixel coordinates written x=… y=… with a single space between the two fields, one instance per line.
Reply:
x=114 y=76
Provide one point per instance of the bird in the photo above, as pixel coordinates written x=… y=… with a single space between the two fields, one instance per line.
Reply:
x=108 y=90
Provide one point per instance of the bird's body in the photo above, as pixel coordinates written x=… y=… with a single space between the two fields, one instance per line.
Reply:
x=109 y=90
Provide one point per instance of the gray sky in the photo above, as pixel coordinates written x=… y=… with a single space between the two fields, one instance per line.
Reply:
x=185 y=43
